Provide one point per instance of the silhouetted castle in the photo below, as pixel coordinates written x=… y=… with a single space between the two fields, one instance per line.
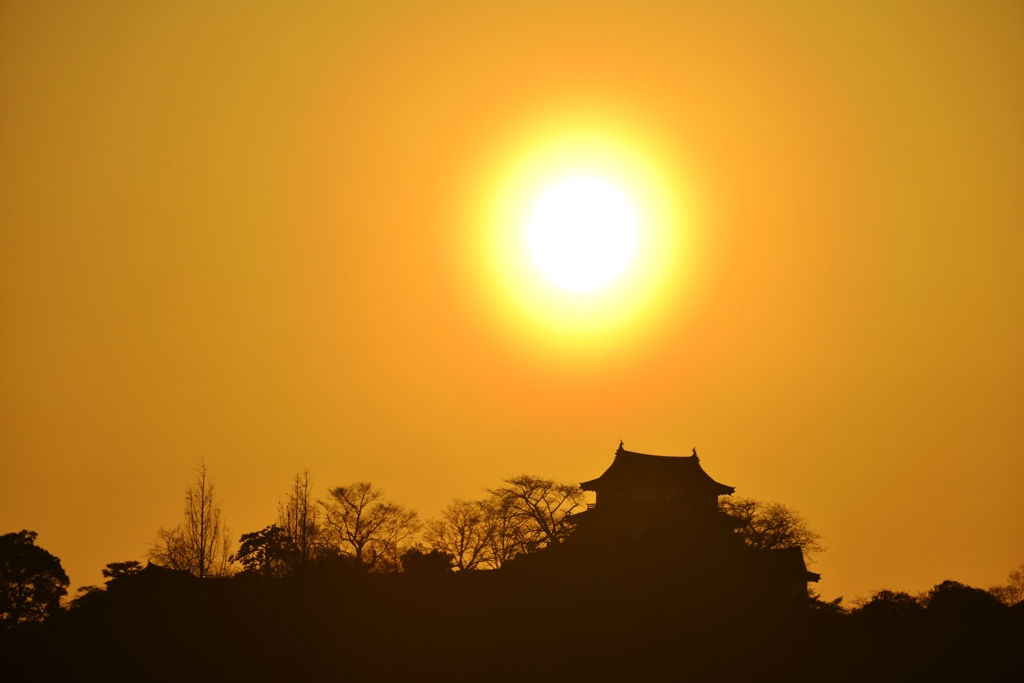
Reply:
x=660 y=496
x=656 y=531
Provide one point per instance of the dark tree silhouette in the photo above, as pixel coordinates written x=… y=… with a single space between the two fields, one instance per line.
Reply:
x=201 y=544
x=86 y=595
x=531 y=513
x=118 y=570
x=465 y=531
x=300 y=517
x=891 y=607
x=771 y=525
x=32 y=581
x=954 y=602
x=289 y=546
x=423 y=562
x=1013 y=592
x=831 y=608
x=366 y=528
x=508 y=535
x=115 y=571
x=269 y=552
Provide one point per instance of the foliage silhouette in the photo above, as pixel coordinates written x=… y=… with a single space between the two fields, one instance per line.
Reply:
x=827 y=608
x=267 y=552
x=961 y=605
x=113 y=572
x=891 y=607
x=118 y=570
x=32 y=581
x=422 y=561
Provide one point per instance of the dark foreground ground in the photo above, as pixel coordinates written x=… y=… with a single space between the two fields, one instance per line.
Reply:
x=505 y=626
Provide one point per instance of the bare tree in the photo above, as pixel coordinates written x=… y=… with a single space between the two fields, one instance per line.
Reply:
x=509 y=535
x=399 y=533
x=1013 y=591
x=169 y=549
x=771 y=525
x=201 y=544
x=300 y=518
x=464 y=531
x=366 y=528
x=533 y=512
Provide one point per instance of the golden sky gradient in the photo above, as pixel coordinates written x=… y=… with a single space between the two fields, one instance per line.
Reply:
x=258 y=233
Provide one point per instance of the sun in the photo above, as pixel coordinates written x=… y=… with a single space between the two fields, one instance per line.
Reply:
x=581 y=239
x=582 y=233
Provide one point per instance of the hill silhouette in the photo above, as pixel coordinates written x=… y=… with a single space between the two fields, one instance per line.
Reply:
x=655 y=580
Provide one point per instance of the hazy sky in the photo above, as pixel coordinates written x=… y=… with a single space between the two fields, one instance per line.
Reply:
x=257 y=233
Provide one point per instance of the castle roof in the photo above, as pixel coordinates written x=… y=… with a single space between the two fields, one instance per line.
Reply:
x=640 y=470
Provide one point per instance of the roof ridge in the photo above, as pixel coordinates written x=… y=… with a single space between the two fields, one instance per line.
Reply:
x=623 y=451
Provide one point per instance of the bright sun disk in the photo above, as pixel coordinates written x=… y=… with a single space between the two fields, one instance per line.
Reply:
x=582 y=233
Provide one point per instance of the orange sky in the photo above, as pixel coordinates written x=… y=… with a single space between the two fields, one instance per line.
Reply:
x=251 y=233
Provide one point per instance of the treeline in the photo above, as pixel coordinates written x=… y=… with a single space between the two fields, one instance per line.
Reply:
x=357 y=525
x=353 y=586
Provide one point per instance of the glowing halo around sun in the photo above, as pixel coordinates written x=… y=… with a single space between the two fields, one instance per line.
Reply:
x=583 y=238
